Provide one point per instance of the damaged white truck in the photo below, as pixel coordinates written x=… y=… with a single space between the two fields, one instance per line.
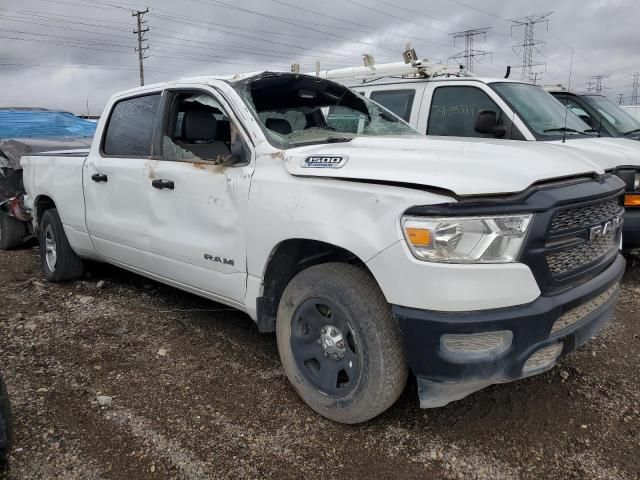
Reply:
x=369 y=249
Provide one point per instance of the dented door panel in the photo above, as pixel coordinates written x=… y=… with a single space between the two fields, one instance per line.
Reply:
x=197 y=229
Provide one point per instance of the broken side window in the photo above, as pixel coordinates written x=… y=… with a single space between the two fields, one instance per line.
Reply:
x=198 y=129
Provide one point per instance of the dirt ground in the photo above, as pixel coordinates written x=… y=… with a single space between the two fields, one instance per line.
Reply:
x=198 y=393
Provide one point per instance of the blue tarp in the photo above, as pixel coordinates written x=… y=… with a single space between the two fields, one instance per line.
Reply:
x=43 y=124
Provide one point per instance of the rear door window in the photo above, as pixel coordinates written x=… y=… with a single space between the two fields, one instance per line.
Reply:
x=454 y=110
x=399 y=102
x=130 y=127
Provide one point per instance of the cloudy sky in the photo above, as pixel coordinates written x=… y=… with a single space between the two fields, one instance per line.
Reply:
x=65 y=53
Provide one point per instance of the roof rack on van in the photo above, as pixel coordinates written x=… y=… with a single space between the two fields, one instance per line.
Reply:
x=371 y=72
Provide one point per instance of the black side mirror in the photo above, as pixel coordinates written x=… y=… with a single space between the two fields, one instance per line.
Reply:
x=487 y=122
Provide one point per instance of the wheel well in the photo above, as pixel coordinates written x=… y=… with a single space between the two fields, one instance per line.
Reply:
x=42 y=204
x=290 y=258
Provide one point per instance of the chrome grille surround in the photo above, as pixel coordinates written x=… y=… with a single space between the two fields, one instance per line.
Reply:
x=580 y=312
x=579 y=217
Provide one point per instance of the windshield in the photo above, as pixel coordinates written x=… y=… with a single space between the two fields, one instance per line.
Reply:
x=543 y=114
x=617 y=117
x=295 y=110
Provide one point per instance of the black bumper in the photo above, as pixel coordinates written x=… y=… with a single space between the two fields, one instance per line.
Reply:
x=443 y=378
x=631 y=229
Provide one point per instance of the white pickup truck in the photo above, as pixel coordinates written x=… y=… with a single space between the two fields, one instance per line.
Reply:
x=369 y=249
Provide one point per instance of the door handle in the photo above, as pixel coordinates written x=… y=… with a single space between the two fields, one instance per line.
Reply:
x=99 y=177
x=162 y=184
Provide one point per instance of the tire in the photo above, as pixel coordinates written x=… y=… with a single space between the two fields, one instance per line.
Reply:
x=59 y=261
x=338 y=309
x=12 y=232
x=6 y=428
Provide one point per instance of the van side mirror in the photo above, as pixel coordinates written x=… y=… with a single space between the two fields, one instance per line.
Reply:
x=487 y=122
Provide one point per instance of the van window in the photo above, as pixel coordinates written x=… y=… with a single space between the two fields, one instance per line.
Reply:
x=130 y=128
x=399 y=102
x=454 y=110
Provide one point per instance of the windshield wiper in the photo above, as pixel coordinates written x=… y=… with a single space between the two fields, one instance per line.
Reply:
x=564 y=129
x=635 y=130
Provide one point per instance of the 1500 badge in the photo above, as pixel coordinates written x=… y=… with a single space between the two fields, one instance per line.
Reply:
x=324 y=161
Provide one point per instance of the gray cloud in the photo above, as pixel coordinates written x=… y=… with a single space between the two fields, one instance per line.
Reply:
x=63 y=53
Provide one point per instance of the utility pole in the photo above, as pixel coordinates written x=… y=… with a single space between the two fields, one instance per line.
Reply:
x=635 y=88
x=529 y=43
x=141 y=39
x=620 y=98
x=469 y=54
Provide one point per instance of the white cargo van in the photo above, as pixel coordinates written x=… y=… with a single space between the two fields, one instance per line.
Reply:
x=438 y=102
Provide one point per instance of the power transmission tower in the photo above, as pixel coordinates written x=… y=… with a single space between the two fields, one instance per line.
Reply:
x=529 y=43
x=469 y=54
x=620 y=98
x=598 y=83
x=536 y=75
x=635 y=88
x=141 y=39
x=590 y=86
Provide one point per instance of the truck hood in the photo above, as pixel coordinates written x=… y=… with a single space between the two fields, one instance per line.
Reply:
x=465 y=166
x=610 y=152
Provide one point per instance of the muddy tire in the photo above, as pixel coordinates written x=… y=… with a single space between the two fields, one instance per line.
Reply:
x=6 y=428
x=59 y=261
x=12 y=232
x=339 y=344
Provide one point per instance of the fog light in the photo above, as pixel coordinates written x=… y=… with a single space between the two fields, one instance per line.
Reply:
x=476 y=346
x=543 y=358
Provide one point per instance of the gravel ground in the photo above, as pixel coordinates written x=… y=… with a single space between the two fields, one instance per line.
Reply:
x=117 y=377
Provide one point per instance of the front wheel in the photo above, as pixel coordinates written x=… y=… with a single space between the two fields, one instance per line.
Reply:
x=59 y=262
x=339 y=344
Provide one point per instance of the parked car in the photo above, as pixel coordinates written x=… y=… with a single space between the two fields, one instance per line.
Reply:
x=6 y=428
x=604 y=116
x=438 y=102
x=369 y=249
x=24 y=131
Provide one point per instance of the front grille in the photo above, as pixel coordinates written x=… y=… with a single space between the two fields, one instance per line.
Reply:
x=575 y=315
x=582 y=216
x=573 y=258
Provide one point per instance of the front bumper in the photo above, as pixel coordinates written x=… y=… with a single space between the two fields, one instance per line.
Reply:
x=444 y=377
x=631 y=229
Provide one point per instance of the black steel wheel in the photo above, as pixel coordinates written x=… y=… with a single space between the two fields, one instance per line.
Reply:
x=325 y=346
x=339 y=344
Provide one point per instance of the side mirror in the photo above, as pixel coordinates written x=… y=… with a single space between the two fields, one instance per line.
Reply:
x=487 y=122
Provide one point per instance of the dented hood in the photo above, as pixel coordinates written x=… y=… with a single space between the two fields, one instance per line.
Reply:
x=610 y=152
x=463 y=166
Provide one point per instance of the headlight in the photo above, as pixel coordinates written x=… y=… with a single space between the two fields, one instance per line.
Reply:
x=491 y=239
x=636 y=182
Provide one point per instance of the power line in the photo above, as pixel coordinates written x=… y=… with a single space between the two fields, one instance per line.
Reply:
x=141 y=48
x=480 y=10
x=529 y=43
x=470 y=54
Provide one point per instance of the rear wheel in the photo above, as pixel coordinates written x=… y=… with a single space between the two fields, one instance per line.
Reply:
x=59 y=262
x=12 y=232
x=339 y=344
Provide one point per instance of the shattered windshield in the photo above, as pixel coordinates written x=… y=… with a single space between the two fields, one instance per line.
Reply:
x=545 y=116
x=295 y=110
